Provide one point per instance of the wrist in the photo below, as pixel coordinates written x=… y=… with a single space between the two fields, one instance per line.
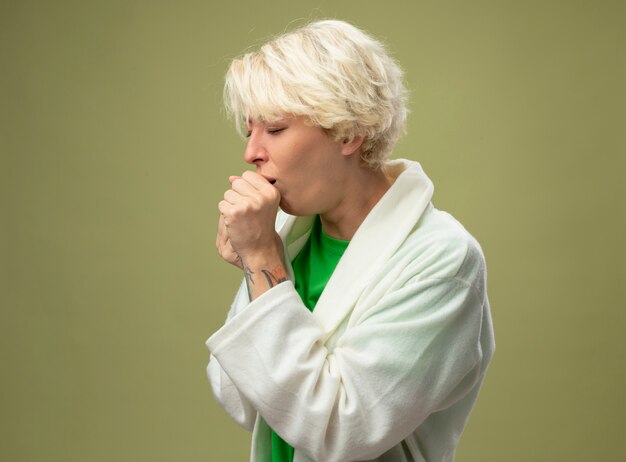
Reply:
x=263 y=271
x=258 y=260
x=270 y=254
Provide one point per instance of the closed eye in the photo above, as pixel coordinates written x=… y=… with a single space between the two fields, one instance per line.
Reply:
x=271 y=131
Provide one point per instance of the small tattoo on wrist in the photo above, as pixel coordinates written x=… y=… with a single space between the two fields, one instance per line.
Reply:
x=272 y=280
x=247 y=273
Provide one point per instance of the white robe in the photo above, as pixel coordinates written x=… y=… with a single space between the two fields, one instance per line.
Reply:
x=389 y=364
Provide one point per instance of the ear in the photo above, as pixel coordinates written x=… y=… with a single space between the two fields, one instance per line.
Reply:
x=349 y=147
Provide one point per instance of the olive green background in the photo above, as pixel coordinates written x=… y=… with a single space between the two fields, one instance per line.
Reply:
x=115 y=151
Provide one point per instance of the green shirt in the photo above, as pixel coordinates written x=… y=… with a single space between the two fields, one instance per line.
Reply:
x=312 y=269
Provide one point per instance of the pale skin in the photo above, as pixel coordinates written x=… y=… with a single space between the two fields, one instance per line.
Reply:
x=300 y=168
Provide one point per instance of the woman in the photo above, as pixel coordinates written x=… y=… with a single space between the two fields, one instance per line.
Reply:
x=362 y=331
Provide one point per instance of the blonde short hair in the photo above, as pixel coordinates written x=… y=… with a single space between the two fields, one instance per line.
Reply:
x=336 y=75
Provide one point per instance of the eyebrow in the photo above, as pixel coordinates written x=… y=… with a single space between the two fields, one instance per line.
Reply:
x=280 y=120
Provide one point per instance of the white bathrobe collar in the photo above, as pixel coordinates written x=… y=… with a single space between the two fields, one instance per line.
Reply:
x=375 y=241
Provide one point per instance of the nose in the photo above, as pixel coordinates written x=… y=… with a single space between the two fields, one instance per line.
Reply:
x=255 y=152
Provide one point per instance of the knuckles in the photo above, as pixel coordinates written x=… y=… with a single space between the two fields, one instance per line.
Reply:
x=274 y=195
x=241 y=210
x=248 y=174
x=241 y=205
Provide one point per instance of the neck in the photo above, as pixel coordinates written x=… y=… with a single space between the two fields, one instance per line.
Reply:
x=363 y=190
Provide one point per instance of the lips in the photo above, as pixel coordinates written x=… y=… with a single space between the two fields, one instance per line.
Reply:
x=270 y=179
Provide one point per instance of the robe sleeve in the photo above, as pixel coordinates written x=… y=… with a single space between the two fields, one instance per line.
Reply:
x=413 y=353
x=224 y=390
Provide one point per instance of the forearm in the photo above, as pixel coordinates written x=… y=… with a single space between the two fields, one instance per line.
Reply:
x=262 y=272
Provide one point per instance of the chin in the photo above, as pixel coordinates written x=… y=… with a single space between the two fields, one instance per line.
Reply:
x=287 y=209
x=291 y=210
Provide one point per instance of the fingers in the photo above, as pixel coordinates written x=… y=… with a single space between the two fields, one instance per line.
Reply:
x=254 y=179
x=228 y=213
x=244 y=187
x=222 y=235
x=250 y=185
x=223 y=245
x=233 y=197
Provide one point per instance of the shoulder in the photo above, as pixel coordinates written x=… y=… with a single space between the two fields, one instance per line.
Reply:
x=439 y=246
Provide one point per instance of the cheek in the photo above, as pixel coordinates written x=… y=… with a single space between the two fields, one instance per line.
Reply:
x=308 y=171
x=299 y=196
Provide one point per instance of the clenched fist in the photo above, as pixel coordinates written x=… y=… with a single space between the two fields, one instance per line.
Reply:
x=247 y=217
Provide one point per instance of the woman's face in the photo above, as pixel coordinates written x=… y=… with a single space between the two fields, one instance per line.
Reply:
x=303 y=162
